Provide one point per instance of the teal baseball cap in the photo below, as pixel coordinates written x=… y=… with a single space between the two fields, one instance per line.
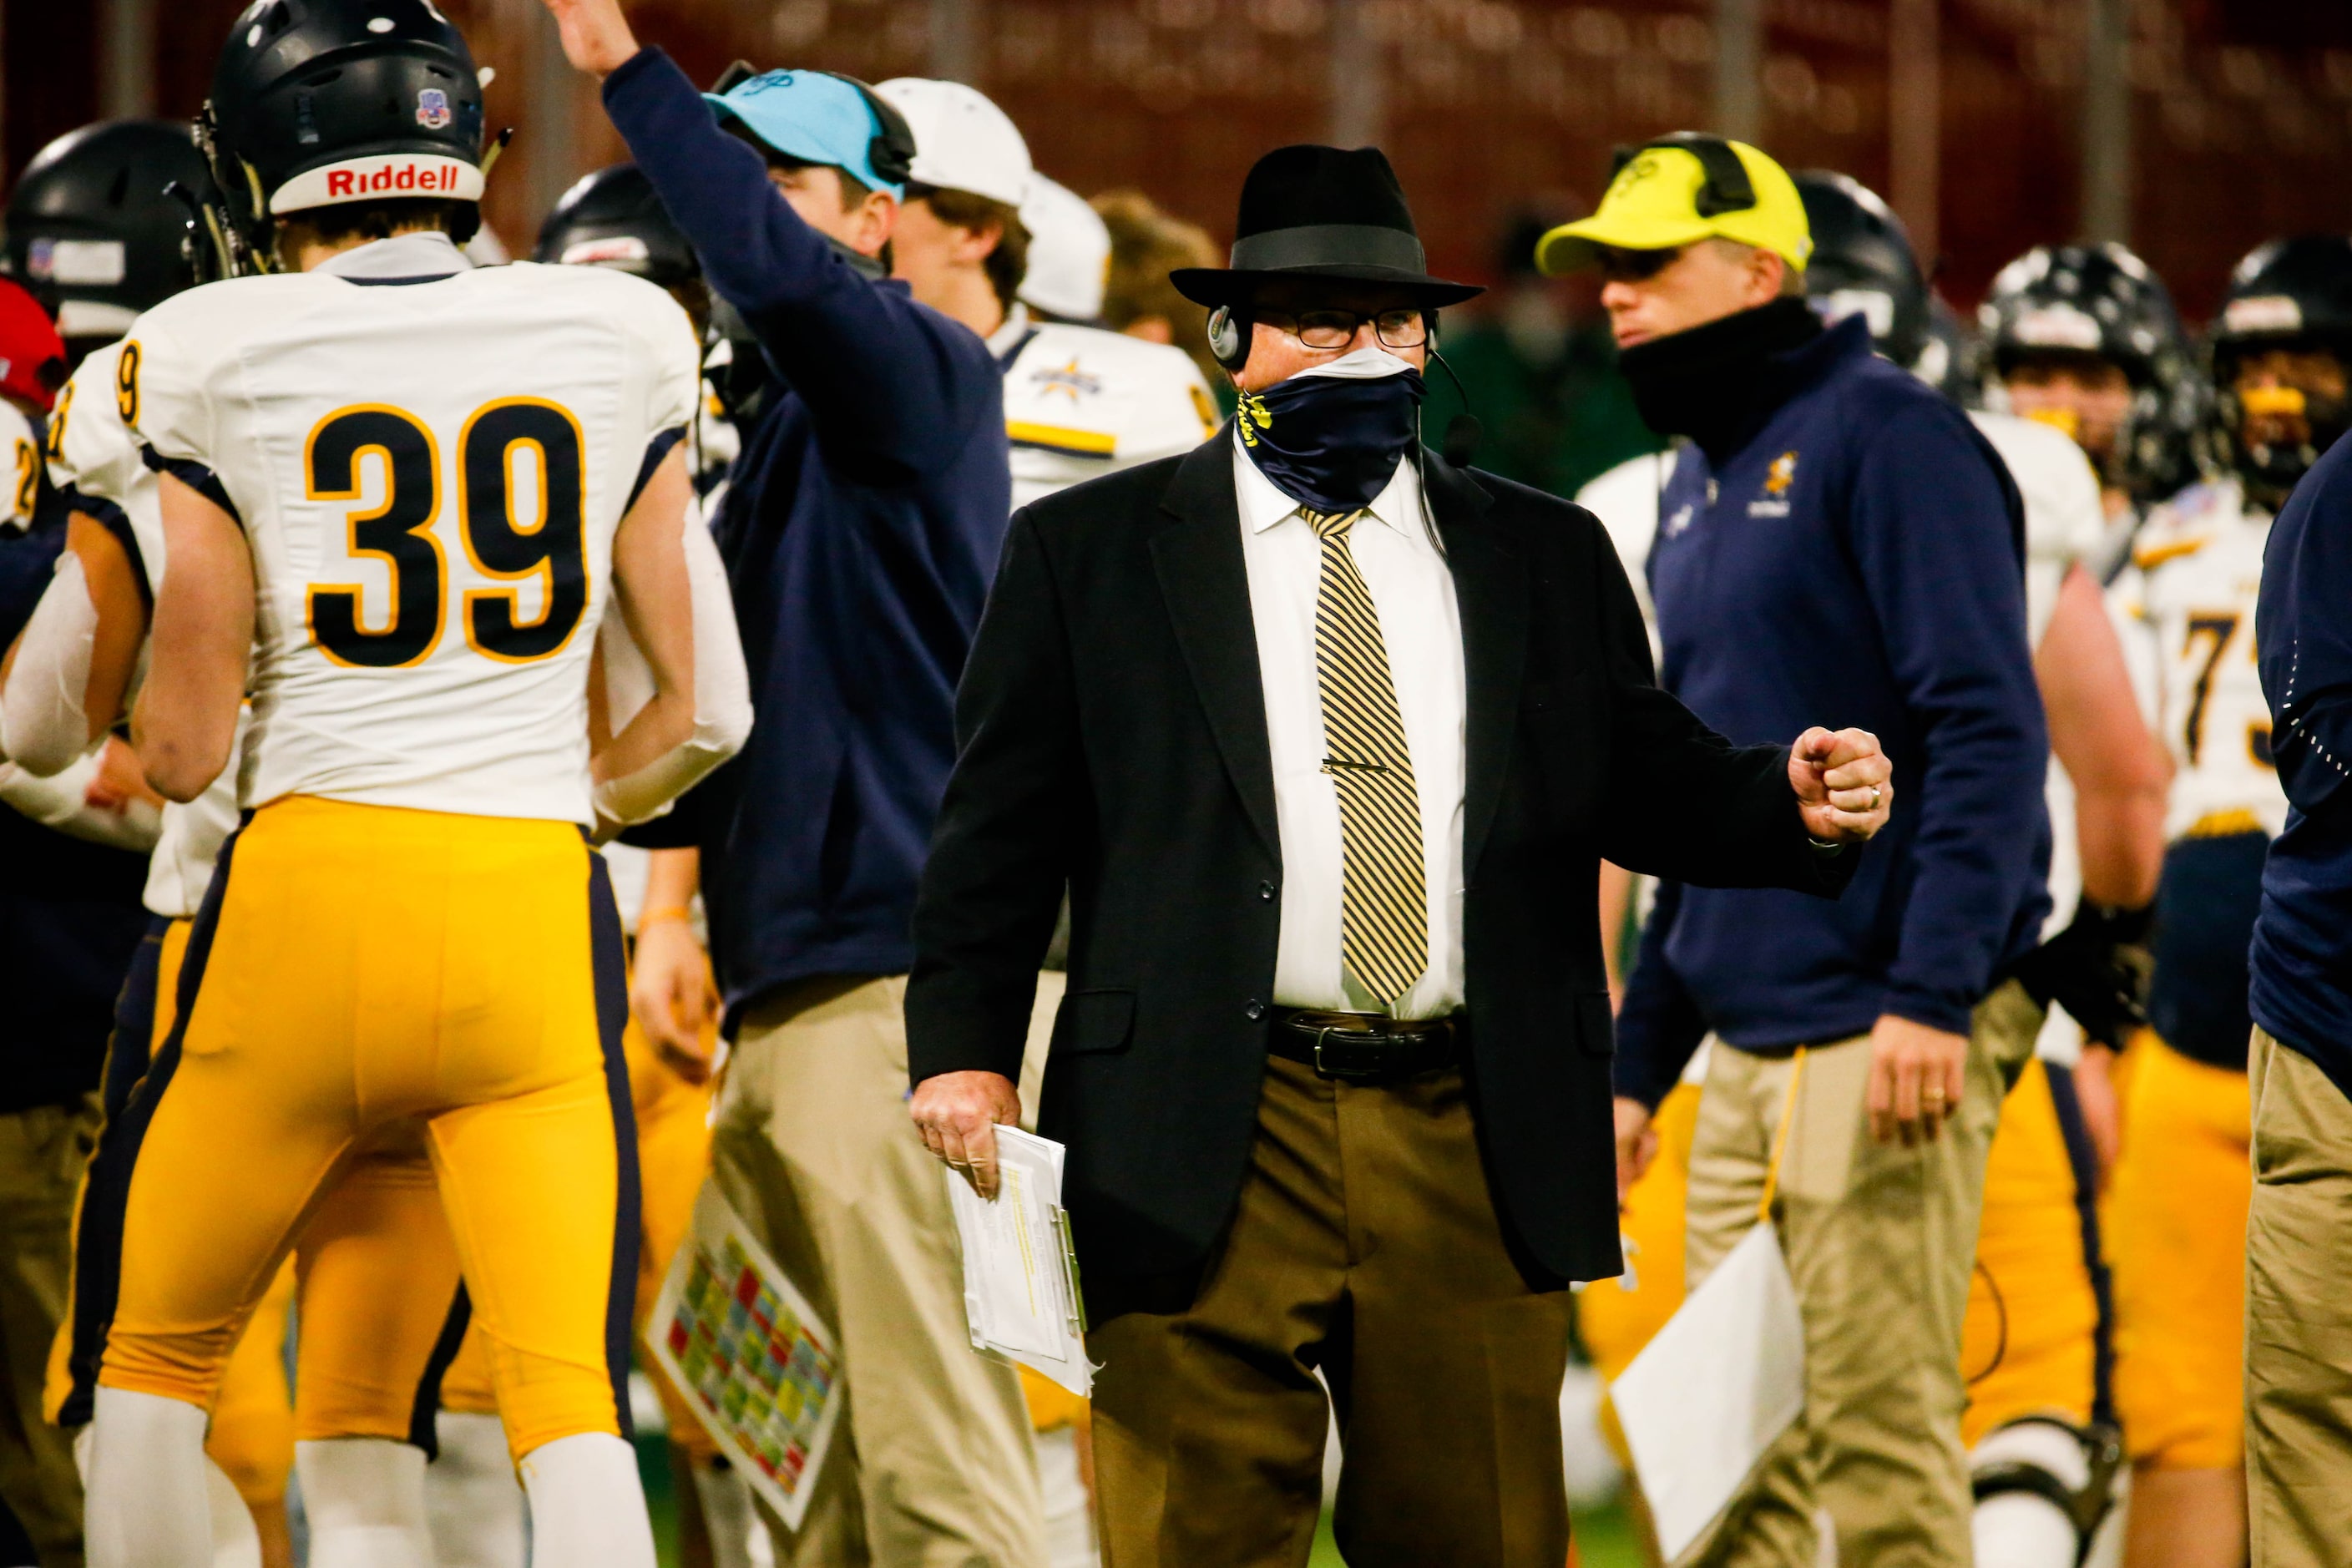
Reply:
x=820 y=117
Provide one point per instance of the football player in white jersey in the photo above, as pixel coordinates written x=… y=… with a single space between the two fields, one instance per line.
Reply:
x=1081 y=401
x=2282 y=357
x=2038 y=1415
x=407 y=494
x=2083 y=338
x=104 y=187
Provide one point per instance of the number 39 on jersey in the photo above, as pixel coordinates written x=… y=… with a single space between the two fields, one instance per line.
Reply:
x=518 y=491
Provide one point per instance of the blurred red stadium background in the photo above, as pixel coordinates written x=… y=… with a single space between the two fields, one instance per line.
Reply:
x=2192 y=128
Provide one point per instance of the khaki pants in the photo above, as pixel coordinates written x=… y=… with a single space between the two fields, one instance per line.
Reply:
x=2298 y=1315
x=1880 y=1242
x=1365 y=1246
x=42 y=1152
x=931 y=1467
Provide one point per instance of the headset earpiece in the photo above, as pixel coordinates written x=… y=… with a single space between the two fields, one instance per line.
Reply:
x=1726 y=188
x=1230 y=329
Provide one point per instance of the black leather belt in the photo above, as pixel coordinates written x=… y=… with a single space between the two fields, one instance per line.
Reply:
x=1366 y=1047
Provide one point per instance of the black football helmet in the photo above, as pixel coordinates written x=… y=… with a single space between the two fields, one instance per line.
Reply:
x=2288 y=294
x=316 y=102
x=95 y=230
x=613 y=218
x=1863 y=264
x=2101 y=302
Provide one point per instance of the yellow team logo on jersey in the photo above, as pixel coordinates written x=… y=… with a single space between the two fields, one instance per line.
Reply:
x=1781 y=474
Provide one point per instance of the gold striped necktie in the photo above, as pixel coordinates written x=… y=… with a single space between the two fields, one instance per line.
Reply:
x=1384 y=900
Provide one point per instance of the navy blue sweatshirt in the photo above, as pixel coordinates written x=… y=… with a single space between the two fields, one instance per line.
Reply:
x=1857 y=561
x=861 y=529
x=2301 y=964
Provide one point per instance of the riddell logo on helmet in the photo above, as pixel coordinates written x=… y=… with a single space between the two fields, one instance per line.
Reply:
x=380 y=174
x=346 y=182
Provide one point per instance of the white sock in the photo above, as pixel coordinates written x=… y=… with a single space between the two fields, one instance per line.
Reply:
x=471 y=1495
x=2022 y=1530
x=587 y=1508
x=364 y=1497
x=726 y=1514
x=236 y=1544
x=146 y=1506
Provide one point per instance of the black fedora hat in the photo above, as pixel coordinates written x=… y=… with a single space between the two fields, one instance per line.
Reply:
x=1322 y=211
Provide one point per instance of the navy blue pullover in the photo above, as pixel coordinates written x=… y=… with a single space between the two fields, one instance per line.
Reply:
x=2301 y=964
x=861 y=529
x=1856 y=562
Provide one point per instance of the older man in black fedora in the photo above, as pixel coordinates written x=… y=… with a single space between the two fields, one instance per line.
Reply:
x=1325 y=738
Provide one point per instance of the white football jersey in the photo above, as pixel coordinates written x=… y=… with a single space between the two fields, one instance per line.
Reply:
x=2197 y=570
x=1080 y=402
x=1625 y=499
x=2063 y=517
x=430 y=472
x=95 y=461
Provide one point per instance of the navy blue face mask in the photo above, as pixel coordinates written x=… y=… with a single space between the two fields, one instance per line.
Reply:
x=1332 y=443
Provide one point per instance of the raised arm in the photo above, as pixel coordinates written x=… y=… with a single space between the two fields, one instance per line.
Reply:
x=883 y=377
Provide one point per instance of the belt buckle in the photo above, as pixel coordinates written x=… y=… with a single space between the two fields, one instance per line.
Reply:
x=1340 y=1074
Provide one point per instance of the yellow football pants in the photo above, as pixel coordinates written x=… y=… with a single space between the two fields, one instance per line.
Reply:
x=364 y=981
x=2029 y=1342
x=673 y=1118
x=2182 y=1183
x=252 y=1433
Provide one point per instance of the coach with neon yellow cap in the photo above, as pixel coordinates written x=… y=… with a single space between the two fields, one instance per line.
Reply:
x=1834 y=532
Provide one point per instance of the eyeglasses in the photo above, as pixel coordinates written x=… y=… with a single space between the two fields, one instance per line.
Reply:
x=1635 y=266
x=1401 y=328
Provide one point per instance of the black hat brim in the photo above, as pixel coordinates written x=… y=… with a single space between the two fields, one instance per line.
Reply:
x=1214 y=286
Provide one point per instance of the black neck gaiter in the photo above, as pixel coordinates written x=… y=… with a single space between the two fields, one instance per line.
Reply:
x=1716 y=383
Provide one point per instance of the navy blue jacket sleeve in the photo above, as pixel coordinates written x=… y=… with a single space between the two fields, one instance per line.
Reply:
x=1659 y=1024
x=1934 y=538
x=890 y=386
x=2305 y=635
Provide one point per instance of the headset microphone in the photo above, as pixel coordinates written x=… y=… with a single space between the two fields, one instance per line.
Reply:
x=1463 y=432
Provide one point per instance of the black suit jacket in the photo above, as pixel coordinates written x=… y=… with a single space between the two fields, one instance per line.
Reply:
x=1112 y=736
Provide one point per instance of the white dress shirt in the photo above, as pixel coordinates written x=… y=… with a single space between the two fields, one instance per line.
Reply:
x=1412 y=587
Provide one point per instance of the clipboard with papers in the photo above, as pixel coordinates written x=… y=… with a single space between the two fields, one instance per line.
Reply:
x=1021 y=1294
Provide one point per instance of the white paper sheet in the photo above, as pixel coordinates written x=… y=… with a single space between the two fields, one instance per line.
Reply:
x=1712 y=1392
x=761 y=1370
x=1021 y=1295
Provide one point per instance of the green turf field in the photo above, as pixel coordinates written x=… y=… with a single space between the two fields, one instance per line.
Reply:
x=1603 y=1538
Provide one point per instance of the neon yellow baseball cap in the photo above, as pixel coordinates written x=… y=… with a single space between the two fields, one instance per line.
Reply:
x=1681 y=189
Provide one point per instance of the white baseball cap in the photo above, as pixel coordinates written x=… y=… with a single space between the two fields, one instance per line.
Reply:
x=963 y=141
x=1069 y=252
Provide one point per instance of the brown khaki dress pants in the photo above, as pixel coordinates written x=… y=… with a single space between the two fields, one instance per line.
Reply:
x=1365 y=1246
x=2298 y=1315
